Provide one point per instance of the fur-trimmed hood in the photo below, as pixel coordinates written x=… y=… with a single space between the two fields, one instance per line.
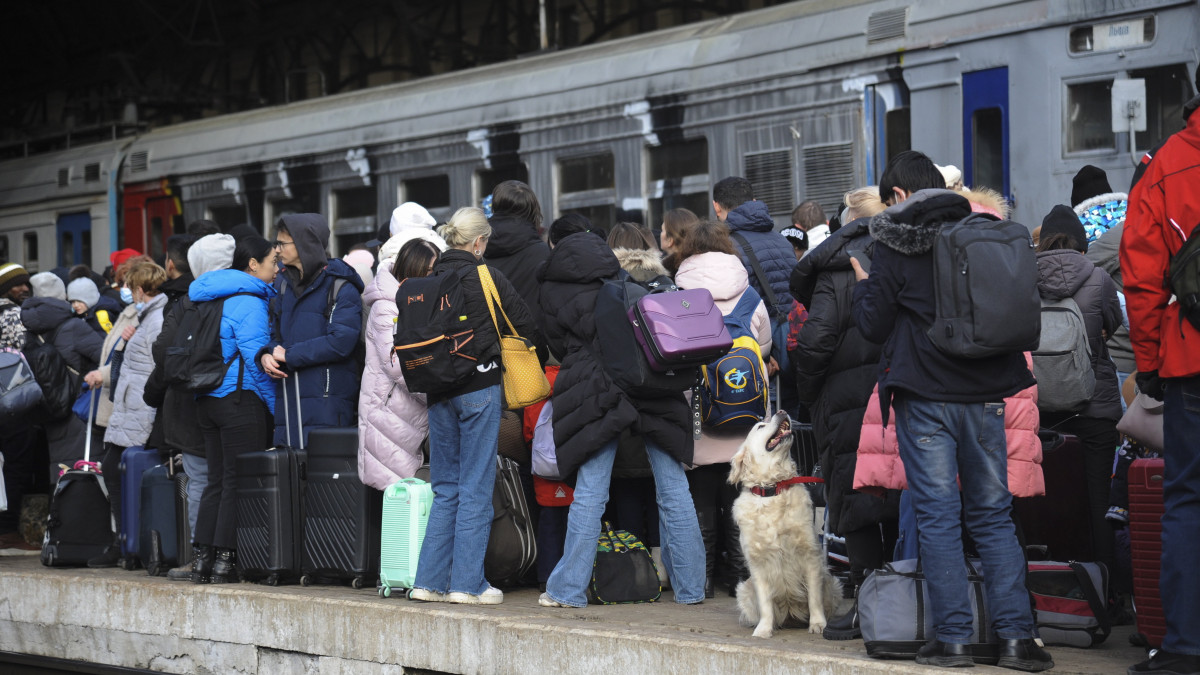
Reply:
x=642 y=265
x=1101 y=213
x=987 y=200
x=911 y=226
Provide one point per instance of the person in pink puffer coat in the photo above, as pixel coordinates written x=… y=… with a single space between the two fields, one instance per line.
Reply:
x=392 y=421
x=879 y=467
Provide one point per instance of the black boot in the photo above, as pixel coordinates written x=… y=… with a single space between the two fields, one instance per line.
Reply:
x=202 y=563
x=224 y=569
x=108 y=558
x=845 y=627
x=734 y=560
x=708 y=533
x=1024 y=655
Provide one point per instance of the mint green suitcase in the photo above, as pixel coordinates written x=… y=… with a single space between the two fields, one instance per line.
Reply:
x=406 y=507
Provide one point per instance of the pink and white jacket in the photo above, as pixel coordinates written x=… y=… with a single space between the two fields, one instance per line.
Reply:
x=879 y=467
x=392 y=421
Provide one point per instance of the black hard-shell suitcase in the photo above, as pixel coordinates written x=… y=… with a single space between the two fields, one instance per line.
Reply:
x=512 y=548
x=270 y=514
x=80 y=525
x=1059 y=520
x=341 y=515
x=157 y=544
x=183 y=523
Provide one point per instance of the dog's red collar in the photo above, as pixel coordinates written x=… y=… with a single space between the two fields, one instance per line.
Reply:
x=782 y=486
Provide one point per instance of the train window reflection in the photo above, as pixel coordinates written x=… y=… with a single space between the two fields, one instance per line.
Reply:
x=1168 y=88
x=431 y=191
x=1089 y=116
x=987 y=144
x=579 y=174
x=672 y=160
x=31 y=252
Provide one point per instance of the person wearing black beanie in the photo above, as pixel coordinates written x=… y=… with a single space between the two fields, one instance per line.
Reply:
x=1091 y=181
x=1062 y=220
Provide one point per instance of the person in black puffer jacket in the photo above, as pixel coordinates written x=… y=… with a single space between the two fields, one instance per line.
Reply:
x=516 y=247
x=836 y=369
x=590 y=412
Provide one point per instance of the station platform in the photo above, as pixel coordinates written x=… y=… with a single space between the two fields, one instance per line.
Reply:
x=132 y=620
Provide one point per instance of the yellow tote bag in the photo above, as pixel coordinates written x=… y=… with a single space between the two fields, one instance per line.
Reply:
x=524 y=382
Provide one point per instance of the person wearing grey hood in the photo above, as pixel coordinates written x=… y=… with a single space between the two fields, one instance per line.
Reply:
x=48 y=285
x=316 y=329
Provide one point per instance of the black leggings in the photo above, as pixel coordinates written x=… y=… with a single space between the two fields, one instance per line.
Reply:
x=231 y=425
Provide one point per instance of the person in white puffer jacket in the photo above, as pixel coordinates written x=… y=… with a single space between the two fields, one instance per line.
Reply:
x=392 y=421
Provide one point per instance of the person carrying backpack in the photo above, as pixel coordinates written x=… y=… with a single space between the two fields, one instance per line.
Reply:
x=709 y=260
x=234 y=416
x=1065 y=273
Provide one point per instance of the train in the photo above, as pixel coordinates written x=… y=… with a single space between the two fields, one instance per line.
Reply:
x=807 y=100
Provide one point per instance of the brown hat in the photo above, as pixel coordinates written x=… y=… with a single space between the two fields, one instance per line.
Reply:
x=12 y=274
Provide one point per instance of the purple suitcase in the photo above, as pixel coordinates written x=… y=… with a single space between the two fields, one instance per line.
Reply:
x=680 y=329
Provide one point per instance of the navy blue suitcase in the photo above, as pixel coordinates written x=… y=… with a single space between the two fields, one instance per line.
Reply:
x=135 y=461
x=341 y=515
x=158 y=547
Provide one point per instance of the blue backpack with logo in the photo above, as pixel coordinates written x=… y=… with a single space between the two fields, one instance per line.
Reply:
x=734 y=388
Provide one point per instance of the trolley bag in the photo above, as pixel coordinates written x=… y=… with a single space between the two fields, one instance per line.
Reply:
x=135 y=461
x=270 y=500
x=896 y=619
x=623 y=571
x=1067 y=602
x=620 y=352
x=1059 y=520
x=406 y=505
x=679 y=329
x=158 y=547
x=1145 y=544
x=511 y=549
x=341 y=515
x=183 y=522
x=80 y=524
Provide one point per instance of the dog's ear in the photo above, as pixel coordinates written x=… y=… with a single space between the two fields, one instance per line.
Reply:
x=735 y=466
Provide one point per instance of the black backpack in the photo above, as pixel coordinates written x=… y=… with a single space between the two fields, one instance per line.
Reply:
x=1183 y=278
x=985 y=289
x=60 y=382
x=620 y=355
x=434 y=339
x=194 y=360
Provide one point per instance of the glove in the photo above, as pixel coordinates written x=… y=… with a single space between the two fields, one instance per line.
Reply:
x=1150 y=384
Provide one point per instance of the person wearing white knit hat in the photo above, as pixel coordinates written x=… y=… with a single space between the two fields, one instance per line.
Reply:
x=410 y=220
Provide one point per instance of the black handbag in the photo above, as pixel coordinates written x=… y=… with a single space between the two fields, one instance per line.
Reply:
x=623 y=572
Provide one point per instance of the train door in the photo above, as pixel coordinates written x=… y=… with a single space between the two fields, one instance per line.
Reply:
x=889 y=125
x=152 y=213
x=74 y=234
x=985 y=129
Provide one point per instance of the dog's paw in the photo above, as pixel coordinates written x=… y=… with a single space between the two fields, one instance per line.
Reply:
x=816 y=627
x=763 y=632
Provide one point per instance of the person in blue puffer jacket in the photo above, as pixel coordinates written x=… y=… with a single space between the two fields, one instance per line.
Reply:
x=235 y=417
x=315 y=331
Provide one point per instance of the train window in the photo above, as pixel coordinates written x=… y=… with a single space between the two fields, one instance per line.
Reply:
x=898 y=122
x=31 y=252
x=157 y=243
x=579 y=174
x=1168 y=88
x=4 y=247
x=66 y=249
x=227 y=217
x=1089 y=116
x=85 y=240
x=354 y=216
x=672 y=160
x=486 y=180
x=987 y=145
x=699 y=203
x=602 y=215
x=1108 y=36
x=431 y=191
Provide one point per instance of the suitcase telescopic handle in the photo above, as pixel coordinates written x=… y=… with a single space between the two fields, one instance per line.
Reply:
x=287 y=417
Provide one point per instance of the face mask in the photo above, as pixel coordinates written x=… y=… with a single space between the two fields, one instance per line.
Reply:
x=140 y=306
x=126 y=295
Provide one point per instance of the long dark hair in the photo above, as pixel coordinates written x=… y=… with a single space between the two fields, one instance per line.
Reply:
x=250 y=247
x=414 y=259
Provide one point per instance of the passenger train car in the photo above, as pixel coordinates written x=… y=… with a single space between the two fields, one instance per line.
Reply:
x=807 y=100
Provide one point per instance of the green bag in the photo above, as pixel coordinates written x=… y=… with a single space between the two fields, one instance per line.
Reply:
x=623 y=572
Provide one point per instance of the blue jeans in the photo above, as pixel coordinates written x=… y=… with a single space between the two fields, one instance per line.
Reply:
x=939 y=441
x=196 y=469
x=679 y=530
x=462 y=470
x=1181 y=519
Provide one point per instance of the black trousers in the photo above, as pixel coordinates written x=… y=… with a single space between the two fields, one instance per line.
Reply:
x=110 y=463
x=231 y=425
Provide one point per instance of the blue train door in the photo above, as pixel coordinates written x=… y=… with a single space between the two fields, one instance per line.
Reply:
x=985 y=129
x=74 y=235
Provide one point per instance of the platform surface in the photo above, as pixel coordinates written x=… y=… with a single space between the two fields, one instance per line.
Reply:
x=134 y=620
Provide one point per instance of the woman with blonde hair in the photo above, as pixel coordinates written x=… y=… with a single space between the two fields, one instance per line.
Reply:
x=464 y=424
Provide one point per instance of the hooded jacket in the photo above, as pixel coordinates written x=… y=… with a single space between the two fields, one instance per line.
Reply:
x=244 y=329
x=131 y=419
x=56 y=322
x=392 y=421
x=516 y=249
x=723 y=276
x=1102 y=213
x=642 y=264
x=1065 y=273
x=895 y=306
x=319 y=338
x=753 y=221
x=836 y=370
x=180 y=429
x=407 y=224
x=589 y=409
x=1164 y=208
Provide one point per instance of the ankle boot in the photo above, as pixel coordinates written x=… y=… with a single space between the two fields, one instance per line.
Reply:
x=708 y=534
x=202 y=563
x=845 y=627
x=224 y=569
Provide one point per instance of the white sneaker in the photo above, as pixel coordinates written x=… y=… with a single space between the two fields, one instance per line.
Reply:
x=492 y=596
x=546 y=601
x=425 y=595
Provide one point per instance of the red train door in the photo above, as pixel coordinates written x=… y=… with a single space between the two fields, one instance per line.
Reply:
x=151 y=211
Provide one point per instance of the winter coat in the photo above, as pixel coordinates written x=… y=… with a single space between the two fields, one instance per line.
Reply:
x=244 y=330
x=56 y=322
x=879 y=467
x=1163 y=206
x=1065 y=273
x=589 y=409
x=176 y=407
x=516 y=249
x=1105 y=254
x=1102 y=213
x=724 y=277
x=131 y=418
x=895 y=305
x=112 y=342
x=643 y=265
x=753 y=221
x=319 y=337
x=392 y=421
x=836 y=370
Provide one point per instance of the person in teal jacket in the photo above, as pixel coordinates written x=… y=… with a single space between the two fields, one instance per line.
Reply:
x=236 y=416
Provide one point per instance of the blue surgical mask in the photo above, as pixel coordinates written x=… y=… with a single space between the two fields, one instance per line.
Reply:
x=126 y=295
x=140 y=306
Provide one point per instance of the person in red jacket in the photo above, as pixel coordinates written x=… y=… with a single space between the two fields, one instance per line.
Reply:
x=1164 y=211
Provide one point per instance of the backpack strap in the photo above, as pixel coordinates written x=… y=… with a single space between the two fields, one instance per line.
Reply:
x=1094 y=602
x=743 y=312
x=331 y=301
x=772 y=301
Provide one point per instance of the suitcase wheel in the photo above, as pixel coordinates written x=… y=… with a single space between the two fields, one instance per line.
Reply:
x=305 y=580
x=357 y=583
x=273 y=580
x=385 y=591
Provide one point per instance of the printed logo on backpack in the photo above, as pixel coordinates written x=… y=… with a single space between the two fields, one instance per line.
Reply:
x=433 y=341
x=734 y=388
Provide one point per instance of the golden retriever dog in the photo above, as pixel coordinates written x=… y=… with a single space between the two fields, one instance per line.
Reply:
x=788 y=575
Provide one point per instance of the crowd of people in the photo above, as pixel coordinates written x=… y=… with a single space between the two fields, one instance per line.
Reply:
x=842 y=325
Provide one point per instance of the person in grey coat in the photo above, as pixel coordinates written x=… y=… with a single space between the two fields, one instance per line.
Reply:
x=1103 y=253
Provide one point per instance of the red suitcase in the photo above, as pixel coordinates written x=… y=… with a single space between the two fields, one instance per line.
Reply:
x=1145 y=543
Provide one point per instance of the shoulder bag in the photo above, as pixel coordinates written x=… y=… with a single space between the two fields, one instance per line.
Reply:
x=524 y=382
